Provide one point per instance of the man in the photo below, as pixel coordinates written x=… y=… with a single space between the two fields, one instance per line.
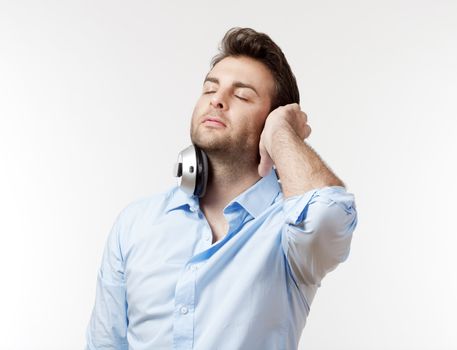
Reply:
x=239 y=267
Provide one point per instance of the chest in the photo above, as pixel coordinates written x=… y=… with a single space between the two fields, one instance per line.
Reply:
x=219 y=227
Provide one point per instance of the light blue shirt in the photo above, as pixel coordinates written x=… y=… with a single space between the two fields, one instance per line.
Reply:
x=162 y=284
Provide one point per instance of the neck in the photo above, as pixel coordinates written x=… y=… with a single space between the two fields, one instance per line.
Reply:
x=227 y=181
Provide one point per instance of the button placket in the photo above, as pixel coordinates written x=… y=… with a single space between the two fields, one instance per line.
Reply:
x=183 y=320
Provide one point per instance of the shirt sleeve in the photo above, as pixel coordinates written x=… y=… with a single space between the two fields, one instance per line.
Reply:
x=317 y=233
x=107 y=327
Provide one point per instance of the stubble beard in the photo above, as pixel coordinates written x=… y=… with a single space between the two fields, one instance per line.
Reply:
x=220 y=147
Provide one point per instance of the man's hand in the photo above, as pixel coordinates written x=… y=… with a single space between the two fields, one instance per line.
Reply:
x=284 y=119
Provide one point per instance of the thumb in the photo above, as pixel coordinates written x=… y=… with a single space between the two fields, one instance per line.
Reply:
x=266 y=163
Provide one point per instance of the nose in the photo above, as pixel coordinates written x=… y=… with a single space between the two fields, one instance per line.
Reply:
x=218 y=100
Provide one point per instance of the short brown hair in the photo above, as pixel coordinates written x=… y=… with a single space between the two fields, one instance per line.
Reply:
x=248 y=42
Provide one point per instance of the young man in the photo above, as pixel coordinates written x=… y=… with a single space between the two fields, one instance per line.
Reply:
x=239 y=267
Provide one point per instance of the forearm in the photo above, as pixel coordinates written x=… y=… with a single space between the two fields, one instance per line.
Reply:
x=299 y=167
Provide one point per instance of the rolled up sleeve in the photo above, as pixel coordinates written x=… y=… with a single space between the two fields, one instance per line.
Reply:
x=107 y=328
x=317 y=233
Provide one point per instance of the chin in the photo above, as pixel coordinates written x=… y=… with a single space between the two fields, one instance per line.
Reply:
x=203 y=138
x=211 y=146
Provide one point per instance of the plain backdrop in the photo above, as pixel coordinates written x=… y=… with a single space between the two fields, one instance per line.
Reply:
x=95 y=104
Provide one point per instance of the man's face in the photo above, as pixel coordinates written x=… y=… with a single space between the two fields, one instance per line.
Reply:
x=237 y=93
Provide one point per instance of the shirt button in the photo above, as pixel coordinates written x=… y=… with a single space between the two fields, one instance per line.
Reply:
x=207 y=237
x=184 y=310
x=193 y=209
x=194 y=267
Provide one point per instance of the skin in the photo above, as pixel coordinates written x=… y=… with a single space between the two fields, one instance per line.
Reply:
x=238 y=91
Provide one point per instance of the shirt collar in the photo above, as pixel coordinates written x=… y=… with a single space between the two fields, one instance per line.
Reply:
x=179 y=199
x=259 y=196
x=254 y=200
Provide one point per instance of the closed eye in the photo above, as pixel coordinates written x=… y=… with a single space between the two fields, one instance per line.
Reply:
x=212 y=92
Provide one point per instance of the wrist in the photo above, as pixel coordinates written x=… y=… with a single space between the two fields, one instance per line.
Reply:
x=281 y=139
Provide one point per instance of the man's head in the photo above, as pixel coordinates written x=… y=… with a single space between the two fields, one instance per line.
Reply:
x=248 y=79
x=259 y=46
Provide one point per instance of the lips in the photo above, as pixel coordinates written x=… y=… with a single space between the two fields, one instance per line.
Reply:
x=214 y=119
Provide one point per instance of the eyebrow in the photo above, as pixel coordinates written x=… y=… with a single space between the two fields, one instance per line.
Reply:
x=237 y=84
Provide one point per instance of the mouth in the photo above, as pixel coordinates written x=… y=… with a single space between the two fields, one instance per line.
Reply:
x=213 y=121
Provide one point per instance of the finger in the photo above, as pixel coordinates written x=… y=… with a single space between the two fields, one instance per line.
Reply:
x=293 y=106
x=296 y=106
x=308 y=131
x=305 y=131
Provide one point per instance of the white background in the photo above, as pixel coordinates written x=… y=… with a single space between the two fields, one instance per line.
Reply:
x=95 y=103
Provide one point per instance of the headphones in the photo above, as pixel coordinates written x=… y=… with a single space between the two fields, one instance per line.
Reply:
x=191 y=169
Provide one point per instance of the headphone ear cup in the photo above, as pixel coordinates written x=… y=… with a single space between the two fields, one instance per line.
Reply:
x=202 y=172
